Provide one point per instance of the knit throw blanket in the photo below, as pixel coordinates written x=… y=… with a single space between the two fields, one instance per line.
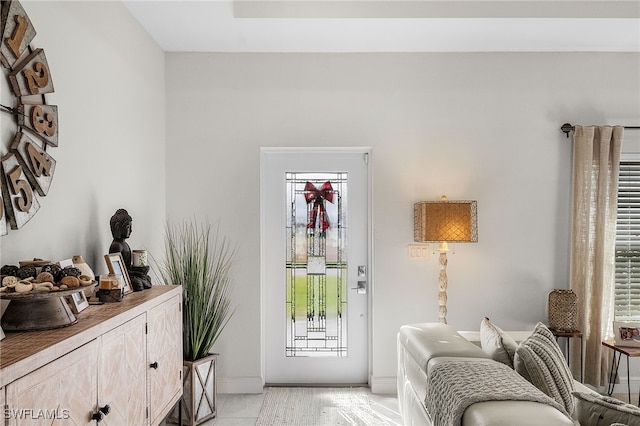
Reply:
x=455 y=385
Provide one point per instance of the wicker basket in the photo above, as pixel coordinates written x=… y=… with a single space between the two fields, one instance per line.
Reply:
x=563 y=310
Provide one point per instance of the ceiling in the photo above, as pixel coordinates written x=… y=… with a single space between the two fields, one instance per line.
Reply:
x=391 y=25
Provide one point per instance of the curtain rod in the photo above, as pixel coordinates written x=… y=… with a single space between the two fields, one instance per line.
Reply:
x=566 y=128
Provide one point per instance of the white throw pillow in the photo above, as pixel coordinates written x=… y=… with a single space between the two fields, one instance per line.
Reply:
x=540 y=360
x=496 y=343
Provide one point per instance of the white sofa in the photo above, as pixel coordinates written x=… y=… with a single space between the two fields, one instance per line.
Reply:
x=421 y=347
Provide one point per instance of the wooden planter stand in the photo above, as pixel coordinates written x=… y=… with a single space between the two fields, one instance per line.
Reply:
x=199 y=392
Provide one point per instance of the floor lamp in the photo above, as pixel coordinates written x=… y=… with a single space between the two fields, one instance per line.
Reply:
x=445 y=222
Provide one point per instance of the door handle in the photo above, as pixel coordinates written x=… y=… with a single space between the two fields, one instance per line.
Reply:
x=361 y=287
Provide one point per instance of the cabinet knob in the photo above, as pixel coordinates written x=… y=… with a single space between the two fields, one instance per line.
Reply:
x=99 y=416
x=154 y=365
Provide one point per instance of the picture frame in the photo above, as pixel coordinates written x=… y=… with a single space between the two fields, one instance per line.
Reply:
x=627 y=333
x=116 y=266
x=77 y=302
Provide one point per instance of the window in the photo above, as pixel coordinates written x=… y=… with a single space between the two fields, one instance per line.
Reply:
x=627 y=293
x=316 y=265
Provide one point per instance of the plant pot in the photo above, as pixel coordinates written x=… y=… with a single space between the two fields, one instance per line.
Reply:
x=199 y=392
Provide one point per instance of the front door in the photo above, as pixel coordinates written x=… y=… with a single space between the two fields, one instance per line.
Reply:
x=315 y=234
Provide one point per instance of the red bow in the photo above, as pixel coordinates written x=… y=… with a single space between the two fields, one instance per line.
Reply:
x=317 y=197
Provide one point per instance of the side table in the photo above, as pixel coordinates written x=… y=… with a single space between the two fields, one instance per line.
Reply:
x=568 y=335
x=620 y=350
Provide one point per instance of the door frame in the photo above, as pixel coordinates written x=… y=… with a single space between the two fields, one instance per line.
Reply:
x=367 y=152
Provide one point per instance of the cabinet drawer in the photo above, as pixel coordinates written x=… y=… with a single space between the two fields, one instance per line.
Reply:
x=62 y=392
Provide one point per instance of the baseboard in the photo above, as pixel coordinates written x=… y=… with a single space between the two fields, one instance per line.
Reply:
x=383 y=385
x=253 y=385
x=240 y=385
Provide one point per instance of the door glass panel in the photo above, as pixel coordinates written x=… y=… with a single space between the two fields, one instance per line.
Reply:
x=316 y=265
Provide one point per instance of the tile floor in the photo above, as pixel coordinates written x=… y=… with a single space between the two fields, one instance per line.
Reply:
x=243 y=409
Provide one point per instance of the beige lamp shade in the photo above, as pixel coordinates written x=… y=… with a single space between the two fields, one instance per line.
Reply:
x=445 y=221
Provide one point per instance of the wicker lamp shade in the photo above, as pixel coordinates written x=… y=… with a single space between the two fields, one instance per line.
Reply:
x=563 y=310
x=445 y=221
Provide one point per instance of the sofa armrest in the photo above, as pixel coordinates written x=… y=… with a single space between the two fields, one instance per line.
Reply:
x=507 y=413
x=425 y=341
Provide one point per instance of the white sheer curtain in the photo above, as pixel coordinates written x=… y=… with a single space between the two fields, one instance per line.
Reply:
x=596 y=160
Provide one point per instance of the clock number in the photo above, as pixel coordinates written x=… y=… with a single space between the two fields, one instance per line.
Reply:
x=43 y=123
x=31 y=76
x=20 y=202
x=41 y=119
x=40 y=163
x=16 y=38
x=36 y=78
x=20 y=187
x=17 y=33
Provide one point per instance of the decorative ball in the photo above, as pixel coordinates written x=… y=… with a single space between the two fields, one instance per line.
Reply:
x=70 y=281
x=69 y=271
x=27 y=271
x=44 y=277
x=11 y=270
x=51 y=268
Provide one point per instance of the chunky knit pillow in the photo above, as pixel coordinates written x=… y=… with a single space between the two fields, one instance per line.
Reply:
x=540 y=360
x=594 y=409
x=496 y=343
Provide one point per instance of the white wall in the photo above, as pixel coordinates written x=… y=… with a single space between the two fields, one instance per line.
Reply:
x=109 y=87
x=471 y=126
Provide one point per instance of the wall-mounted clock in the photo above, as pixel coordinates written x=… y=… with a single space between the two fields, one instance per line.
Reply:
x=26 y=170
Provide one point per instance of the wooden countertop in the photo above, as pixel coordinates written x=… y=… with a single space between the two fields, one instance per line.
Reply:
x=23 y=352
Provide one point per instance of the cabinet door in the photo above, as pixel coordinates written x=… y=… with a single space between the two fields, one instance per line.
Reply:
x=164 y=345
x=122 y=374
x=62 y=392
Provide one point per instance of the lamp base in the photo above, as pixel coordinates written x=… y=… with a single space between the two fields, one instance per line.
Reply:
x=442 y=287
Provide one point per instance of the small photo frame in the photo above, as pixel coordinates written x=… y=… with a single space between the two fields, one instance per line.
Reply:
x=627 y=333
x=77 y=302
x=116 y=266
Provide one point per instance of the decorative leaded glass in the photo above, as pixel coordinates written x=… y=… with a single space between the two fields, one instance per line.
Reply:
x=316 y=265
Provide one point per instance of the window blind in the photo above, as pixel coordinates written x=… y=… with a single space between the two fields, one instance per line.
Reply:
x=627 y=258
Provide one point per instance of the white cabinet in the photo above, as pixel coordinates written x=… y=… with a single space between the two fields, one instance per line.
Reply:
x=165 y=361
x=122 y=374
x=121 y=365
